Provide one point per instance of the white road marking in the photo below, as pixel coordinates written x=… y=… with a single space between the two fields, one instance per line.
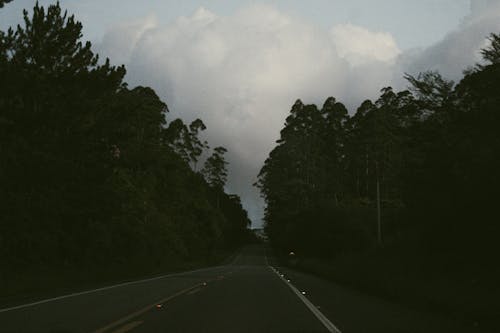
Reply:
x=235 y=260
x=194 y=291
x=321 y=317
x=105 y=288
x=128 y=327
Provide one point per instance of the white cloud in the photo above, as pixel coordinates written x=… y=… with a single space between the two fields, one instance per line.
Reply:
x=484 y=9
x=120 y=41
x=241 y=73
x=360 y=46
x=460 y=49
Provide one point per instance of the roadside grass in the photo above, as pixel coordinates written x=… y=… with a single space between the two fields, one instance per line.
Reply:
x=461 y=288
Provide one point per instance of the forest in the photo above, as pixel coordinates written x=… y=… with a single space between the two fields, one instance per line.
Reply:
x=417 y=169
x=399 y=199
x=91 y=172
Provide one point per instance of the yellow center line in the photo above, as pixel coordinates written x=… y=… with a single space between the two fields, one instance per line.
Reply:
x=128 y=327
x=145 y=309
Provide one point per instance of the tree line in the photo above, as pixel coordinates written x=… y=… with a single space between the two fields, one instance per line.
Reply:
x=90 y=171
x=418 y=168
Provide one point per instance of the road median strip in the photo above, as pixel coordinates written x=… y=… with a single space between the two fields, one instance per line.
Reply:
x=147 y=308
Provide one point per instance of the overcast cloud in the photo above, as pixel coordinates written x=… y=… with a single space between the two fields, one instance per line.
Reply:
x=241 y=73
x=460 y=49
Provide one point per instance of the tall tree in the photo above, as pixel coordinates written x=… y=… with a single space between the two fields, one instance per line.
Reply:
x=196 y=146
x=185 y=141
x=90 y=171
x=335 y=116
x=215 y=169
x=215 y=172
x=491 y=54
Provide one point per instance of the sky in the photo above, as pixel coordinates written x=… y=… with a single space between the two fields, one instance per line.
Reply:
x=240 y=65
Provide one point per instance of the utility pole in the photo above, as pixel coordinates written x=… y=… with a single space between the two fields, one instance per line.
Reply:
x=379 y=223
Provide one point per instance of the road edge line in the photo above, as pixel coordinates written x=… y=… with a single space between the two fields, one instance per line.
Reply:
x=321 y=317
x=48 y=300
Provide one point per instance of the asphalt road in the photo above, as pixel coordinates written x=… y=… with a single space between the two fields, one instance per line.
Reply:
x=250 y=294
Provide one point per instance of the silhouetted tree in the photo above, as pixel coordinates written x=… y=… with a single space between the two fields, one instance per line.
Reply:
x=423 y=161
x=185 y=142
x=3 y=2
x=91 y=172
x=215 y=168
x=491 y=54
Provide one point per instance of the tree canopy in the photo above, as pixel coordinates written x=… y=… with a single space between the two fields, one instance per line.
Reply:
x=91 y=171
x=3 y=2
x=424 y=161
x=215 y=168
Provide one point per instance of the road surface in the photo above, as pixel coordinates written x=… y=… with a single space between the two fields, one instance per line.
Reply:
x=250 y=294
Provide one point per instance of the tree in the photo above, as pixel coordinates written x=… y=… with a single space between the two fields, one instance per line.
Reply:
x=431 y=90
x=334 y=140
x=491 y=54
x=3 y=2
x=91 y=172
x=215 y=169
x=52 y=94
x=184 y=140
x=303 y=181
x=176 y=135
x=215 y=172
x=196 y=146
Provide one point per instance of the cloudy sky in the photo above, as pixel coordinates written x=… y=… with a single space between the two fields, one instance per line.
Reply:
x=239 y=65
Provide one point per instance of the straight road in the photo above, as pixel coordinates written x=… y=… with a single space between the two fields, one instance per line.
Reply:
x=251 y=294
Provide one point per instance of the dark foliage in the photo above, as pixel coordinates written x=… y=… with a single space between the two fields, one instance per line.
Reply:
x=429 y=157
x=3 y=2
x=90 y=172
